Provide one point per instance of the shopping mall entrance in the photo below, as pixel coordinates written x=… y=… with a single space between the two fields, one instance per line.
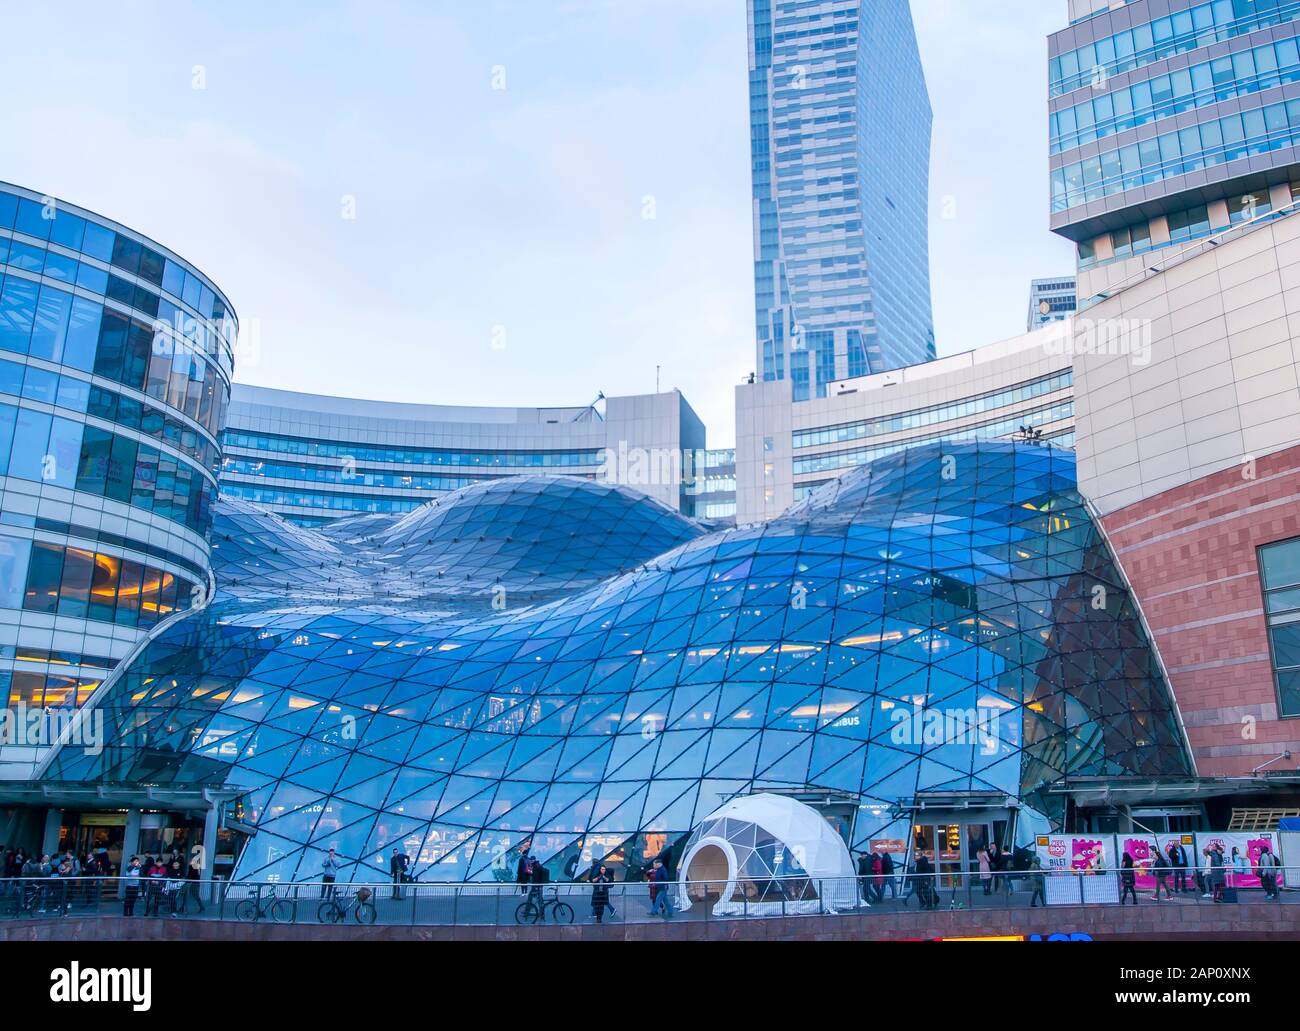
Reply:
x=953 y=842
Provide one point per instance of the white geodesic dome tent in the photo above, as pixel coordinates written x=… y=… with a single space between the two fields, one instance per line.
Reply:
x=767 y=854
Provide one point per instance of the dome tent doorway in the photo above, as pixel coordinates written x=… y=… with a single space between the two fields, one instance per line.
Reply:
x=766 y=854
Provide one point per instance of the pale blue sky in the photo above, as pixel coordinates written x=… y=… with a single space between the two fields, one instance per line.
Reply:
x=499 y=252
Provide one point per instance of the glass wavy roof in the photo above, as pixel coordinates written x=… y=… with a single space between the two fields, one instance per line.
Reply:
x=572 y=667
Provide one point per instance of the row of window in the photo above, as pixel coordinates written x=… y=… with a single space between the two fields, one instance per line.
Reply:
x=1201 y=85
x=1211 y=143
x=1280 y=572
x=53 y=324
x=47 y=223
x=1189 y=224
x=302 y=499
x=406 y=456
x=936 y=414
x=80 y=395
x=65 y=581
x=1061 y=411
x=1178 y=33
x=46 y=448
x=46 y=690
x=345 y=475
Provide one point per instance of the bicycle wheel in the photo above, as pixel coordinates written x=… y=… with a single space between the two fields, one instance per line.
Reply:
x=247 y=911
x=365 y=913
x=282 y=911
x=327 y=913
x=562 y=913
x=527 y=913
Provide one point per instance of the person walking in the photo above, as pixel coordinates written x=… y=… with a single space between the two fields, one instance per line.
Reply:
x=1160 y=872
x=1267 y=872
x=986 y=869
x=1038 y=880
x=1214 y=873
x=923 y=871
x=659 y=895
x=600 y=883
x=132 y=888
x=887 y=875
x=878 y=877
x=329 y=874
x=864 y=876
x=1128 y=878
x=193 y=884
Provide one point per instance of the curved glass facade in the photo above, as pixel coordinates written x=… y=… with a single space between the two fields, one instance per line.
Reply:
x=115 y=365
x=572 y=668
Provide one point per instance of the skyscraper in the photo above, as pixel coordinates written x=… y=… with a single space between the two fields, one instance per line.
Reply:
x=1050 y=300
x=1170 y=121
x=840 y=150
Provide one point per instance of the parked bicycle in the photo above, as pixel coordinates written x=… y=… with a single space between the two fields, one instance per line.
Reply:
x=263 y=905
x=532 y=911
x=334 y=910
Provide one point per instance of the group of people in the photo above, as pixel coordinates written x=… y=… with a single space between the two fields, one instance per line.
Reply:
x=875 y=874
x=44 y=883
x=1218 y=873
x=168 y=884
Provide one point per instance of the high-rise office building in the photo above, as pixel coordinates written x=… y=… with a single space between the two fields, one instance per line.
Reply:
x=840 y=148
x=1050 y=300
x=1170 y=121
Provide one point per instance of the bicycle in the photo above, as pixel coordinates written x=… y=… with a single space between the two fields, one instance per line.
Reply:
x=530 y=911
x=332 y=911
x=253 y=909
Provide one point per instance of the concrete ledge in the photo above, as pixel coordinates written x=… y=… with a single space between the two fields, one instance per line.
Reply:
x=1143 y=922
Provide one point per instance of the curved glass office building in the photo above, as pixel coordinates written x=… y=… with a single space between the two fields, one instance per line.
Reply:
x=574 y=668
x=115 y=364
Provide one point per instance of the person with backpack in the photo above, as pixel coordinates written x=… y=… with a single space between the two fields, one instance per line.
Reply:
x=1267 y=872
x=1160 y=872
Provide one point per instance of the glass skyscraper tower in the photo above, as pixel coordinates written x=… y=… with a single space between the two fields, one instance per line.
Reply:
x=840 y=148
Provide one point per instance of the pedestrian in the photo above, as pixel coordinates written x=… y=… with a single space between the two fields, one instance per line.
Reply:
x=1160 y=873
x=1267 y=872
x=1240 y=868
x=193 y=884
x=986 y=869
x=659 y=899
x=1178 y=864
x=887 y=871
x=864 y=876
x=922 y=872
x=878 y=877
x=329 y=874
x=1128 y=878
x=600 y=882
x=1039 y=882
x=132 y=879
x=539 y=876
x=397 y=868
x=155 y=883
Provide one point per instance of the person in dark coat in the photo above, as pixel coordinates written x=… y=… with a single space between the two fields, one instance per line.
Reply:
x=1128 y=878
x=925 y=891
x=887 y=872
x=600 y=882
x=1038 y=881
x=539 y=875
x=1178 y=865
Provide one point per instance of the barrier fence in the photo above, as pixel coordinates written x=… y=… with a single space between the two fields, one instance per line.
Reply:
x=579 y=902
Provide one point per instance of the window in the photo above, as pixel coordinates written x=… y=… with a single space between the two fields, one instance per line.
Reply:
x=1279 y=566
x=1186 y=225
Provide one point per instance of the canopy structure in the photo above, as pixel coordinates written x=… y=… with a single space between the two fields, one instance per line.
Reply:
x=766 y=854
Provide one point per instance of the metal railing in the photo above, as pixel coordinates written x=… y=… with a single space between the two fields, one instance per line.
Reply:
x=579 y=902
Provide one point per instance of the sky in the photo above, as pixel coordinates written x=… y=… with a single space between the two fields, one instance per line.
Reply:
x=509 y=202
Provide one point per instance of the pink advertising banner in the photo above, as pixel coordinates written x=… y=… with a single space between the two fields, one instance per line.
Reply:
x=1250 y=845
x=1142 y=849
